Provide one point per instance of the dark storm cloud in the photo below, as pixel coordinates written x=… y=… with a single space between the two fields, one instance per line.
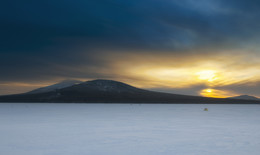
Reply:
x=46 y=39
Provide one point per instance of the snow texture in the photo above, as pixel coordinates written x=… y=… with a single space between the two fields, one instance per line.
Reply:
x=129 y=129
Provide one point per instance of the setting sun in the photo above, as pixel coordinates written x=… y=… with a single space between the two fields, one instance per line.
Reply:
x=215 y=93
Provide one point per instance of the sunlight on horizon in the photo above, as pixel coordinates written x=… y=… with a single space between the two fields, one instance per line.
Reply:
x=196 y=76
x=215 y=93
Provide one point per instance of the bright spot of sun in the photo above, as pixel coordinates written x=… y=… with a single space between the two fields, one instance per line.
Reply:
x=209 y=75
x=208 y=90
x=215 y=93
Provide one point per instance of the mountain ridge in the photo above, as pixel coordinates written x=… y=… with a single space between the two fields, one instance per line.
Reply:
x=109 y=91
x=60 y=85
x=245 y=97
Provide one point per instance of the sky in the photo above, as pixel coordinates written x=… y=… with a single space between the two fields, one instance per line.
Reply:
x=194 y=47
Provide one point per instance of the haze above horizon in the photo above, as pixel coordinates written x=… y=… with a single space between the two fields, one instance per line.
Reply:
x=190 y=47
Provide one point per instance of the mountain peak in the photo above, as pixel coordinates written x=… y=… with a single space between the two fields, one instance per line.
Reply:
x=108 y=85
x=105 y=82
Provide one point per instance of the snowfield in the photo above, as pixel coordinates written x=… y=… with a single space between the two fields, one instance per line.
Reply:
x=129 y=129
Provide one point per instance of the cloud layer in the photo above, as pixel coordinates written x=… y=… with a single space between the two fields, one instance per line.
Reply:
x=47 y=41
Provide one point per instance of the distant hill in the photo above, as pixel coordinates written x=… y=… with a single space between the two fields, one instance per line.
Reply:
x=245 y=97
x=108 y=91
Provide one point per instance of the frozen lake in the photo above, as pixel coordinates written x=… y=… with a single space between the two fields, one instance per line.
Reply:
x=125 y=129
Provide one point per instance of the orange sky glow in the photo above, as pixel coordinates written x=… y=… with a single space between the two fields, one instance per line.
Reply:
x=210 y=73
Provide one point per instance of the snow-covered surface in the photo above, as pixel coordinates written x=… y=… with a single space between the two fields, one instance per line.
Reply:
x=117 y=129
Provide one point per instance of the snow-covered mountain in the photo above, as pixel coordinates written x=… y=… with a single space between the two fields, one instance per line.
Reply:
x=245 y=97
x=60 y=85
x=105 y=86
x=108 y=91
